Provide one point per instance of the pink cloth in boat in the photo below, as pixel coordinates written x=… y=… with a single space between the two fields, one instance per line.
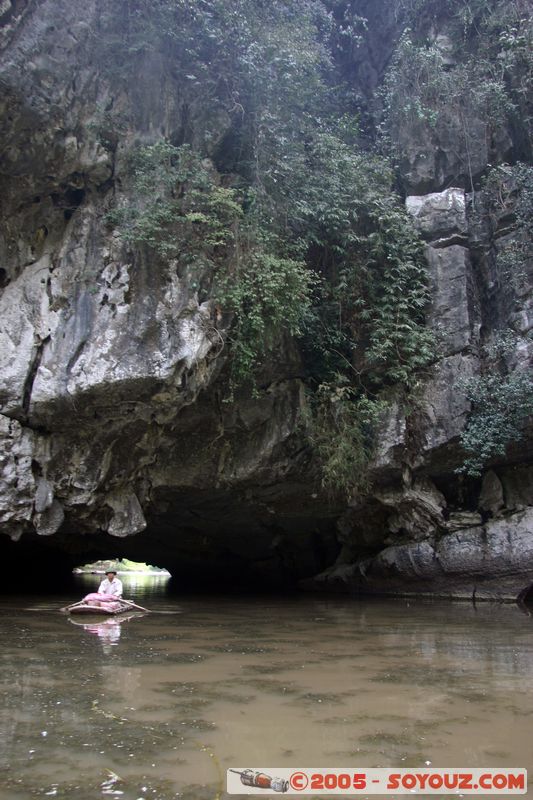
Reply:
x=105 y=598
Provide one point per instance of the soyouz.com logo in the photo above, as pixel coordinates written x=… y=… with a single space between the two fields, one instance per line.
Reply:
x=354 y=781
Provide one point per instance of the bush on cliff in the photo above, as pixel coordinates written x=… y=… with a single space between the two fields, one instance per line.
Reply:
x=291 y=220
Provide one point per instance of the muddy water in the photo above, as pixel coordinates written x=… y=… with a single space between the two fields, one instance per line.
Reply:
x=158 y=706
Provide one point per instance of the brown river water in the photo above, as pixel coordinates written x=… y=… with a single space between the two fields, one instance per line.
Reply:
x=159 y=705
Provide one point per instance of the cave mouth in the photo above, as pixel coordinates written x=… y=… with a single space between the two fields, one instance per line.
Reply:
x=526 y=596
x=139 y=579
x=56 y=566
x=123 y=566
x=197 y=564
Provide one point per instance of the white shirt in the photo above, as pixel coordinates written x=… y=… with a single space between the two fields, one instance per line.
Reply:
x=113 y=587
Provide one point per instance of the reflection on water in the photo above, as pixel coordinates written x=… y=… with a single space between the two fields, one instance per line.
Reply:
x=108 y=630
x=160 y=705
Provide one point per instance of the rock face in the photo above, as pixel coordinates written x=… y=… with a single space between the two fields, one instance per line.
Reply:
x=439 y=534
x=487 y=562
x=116 y=437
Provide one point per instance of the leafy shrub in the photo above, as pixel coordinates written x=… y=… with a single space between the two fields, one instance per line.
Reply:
x=508 y=192
x=178 y=211
x=304 y=234
x=341 y=427
x=500 y=406
x=421 y=93
x=175 y=207
x=268 y=294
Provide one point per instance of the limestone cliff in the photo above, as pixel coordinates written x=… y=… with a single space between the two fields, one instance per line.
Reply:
x=438 y=532
x=114 y=421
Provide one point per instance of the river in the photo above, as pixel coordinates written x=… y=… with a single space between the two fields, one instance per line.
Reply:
x=159 y=706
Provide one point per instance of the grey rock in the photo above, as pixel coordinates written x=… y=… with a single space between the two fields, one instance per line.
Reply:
x=128 y=518
x=416 y=511
x=443 y=407
x=451 y=313
x=392 y=438
x=17 y=484
x=458 y=520
x=490 y=562
x=502 y=550
x=433 y=158
x=25 y=322
x=50 y=519
x=518 y=486
x=491 y=496
x=44 y=495
x=440 y=216
x=410 y=561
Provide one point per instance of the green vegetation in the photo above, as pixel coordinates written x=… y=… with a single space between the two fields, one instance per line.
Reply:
x=122 y=565
x=181 y=213
x=508 y=191
x=500 y=406
x=176 y=208
x=273 y=203
x=422 y=93
x=267 y=294
x=476 y=81
x=341 y=427
x=500 y=402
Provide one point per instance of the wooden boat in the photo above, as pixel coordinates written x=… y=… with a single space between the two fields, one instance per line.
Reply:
x=110 y=609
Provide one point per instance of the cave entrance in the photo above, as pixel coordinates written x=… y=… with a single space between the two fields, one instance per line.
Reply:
x=124 y=566
x=139 y=580
x=526 y=596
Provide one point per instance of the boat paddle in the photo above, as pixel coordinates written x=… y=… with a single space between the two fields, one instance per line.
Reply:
x=72 y=605
x=133 y=605
x=122 y=600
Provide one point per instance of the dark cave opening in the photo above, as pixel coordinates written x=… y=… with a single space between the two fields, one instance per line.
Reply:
x=526 y=596
x=231 y=557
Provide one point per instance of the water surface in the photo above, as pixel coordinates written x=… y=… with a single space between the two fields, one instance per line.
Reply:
x=159 y=706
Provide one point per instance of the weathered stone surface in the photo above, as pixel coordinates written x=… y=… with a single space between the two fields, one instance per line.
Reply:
x=115 y=422
x=440 y=216
x=17 y=484
x=443 y=407
x=434 y=158
x=458 y=520
x=49 y=520
x=25 y=322
x=416 y=512
x=494 y=561
x=44 y=495
x=454 y=315
x=128 y=517
x=451 y=314
x=491 y=496
x=392 y=438
x=501 y=549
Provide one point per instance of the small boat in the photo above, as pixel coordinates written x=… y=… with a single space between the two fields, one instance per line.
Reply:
x=102 y=605
x=111 y=609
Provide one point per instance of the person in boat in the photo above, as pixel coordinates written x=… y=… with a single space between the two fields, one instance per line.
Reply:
x=111 y=585
x=109 y=591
